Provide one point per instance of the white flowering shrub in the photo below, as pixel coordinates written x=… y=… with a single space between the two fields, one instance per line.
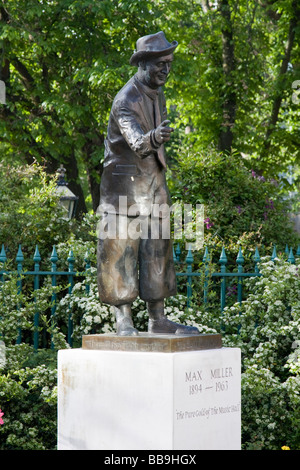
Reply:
x=266 y=326
x=27 y=377
x=84 y=251
x=89 y=315
x=92 y=316
x=175 y=309
x=28 y=397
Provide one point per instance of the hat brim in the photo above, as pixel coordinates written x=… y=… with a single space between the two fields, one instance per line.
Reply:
x=144 y=55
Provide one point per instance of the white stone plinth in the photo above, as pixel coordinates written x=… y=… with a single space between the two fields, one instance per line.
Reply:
x=116 y=400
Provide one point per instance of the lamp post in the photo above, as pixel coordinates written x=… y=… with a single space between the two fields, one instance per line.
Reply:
x=67 y=199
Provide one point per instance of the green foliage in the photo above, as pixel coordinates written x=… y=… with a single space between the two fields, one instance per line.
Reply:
x=92 y=316
x=266 y=327
x=27 y=377
x=63 y=62
x=18 y=309
x=28 y=398
x=30 y=213
x=88 y=313
x=241 y=207
x=200 y=89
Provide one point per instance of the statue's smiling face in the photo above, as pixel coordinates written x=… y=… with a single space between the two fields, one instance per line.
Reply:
x=155 y=71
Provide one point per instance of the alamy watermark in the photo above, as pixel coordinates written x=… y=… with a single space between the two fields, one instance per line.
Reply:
x=295 y=98
x=2 y=92
x=177 y=221
x=296 y=347
x=2 y=355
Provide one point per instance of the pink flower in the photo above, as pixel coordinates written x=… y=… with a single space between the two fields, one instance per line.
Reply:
x=1 y=414
x=208 y=223
x=255 y=175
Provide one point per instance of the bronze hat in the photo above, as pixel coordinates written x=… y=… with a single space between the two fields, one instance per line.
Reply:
x=153 y=45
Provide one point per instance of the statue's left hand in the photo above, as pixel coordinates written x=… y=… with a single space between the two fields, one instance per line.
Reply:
x=163 y=132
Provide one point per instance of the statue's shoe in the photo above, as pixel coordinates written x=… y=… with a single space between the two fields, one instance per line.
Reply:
x=165 y=326
x=126 y=328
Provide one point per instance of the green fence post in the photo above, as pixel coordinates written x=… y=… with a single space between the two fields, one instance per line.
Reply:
x=178 y=252
x=174 y=256
x=71 y=260
x=287 y=250
x=87 y=270
x=298 y=251
x=36 y=285
x=53 y=259
x=19 y=260
x=274 y=253
x=223 y=262
x=189 y=261
x=291 y=258
x=206 y=275
x=3 y=260
x=3 y=257
x=240 y=262
x=256 y=258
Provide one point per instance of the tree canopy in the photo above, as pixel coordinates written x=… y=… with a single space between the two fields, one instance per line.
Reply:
x=233 y=84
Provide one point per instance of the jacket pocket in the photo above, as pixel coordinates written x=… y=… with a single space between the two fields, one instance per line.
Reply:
x=130 y=170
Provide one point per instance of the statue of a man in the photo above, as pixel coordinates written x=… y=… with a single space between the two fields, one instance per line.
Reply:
x=132 y=184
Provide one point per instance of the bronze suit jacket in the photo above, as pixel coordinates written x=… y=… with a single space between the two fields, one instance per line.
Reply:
x=134 y=166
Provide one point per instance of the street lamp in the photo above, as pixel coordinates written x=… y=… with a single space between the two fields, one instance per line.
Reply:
x=67 y=199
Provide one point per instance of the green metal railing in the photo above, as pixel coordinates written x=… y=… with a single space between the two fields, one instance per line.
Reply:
x=223 y=274
x=70 y=274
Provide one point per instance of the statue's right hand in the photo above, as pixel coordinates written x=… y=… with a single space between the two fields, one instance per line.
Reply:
x=163 y=132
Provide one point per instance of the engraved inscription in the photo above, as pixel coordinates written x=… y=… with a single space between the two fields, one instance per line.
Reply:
x=221 y=373
x=153 y=343
x=210 y=382
x=110 y=344
x=207 y=412
x=193 y=376
x=197 y=388
x=213 y=380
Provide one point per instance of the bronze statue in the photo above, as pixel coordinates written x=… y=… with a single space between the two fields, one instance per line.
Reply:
x=132 y=184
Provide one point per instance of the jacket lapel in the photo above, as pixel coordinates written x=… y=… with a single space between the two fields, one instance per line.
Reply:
x=148 y=123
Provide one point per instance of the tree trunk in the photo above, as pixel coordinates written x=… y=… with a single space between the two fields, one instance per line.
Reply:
x=295 y=20
x=94 y=185
x=93 y=169
x=73 y=184
x=228 y=62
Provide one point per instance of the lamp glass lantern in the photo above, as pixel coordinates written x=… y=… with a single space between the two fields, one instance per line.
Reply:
x=67 y=199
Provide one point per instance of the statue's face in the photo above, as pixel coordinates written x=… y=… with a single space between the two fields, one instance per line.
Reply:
x=155 y=71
